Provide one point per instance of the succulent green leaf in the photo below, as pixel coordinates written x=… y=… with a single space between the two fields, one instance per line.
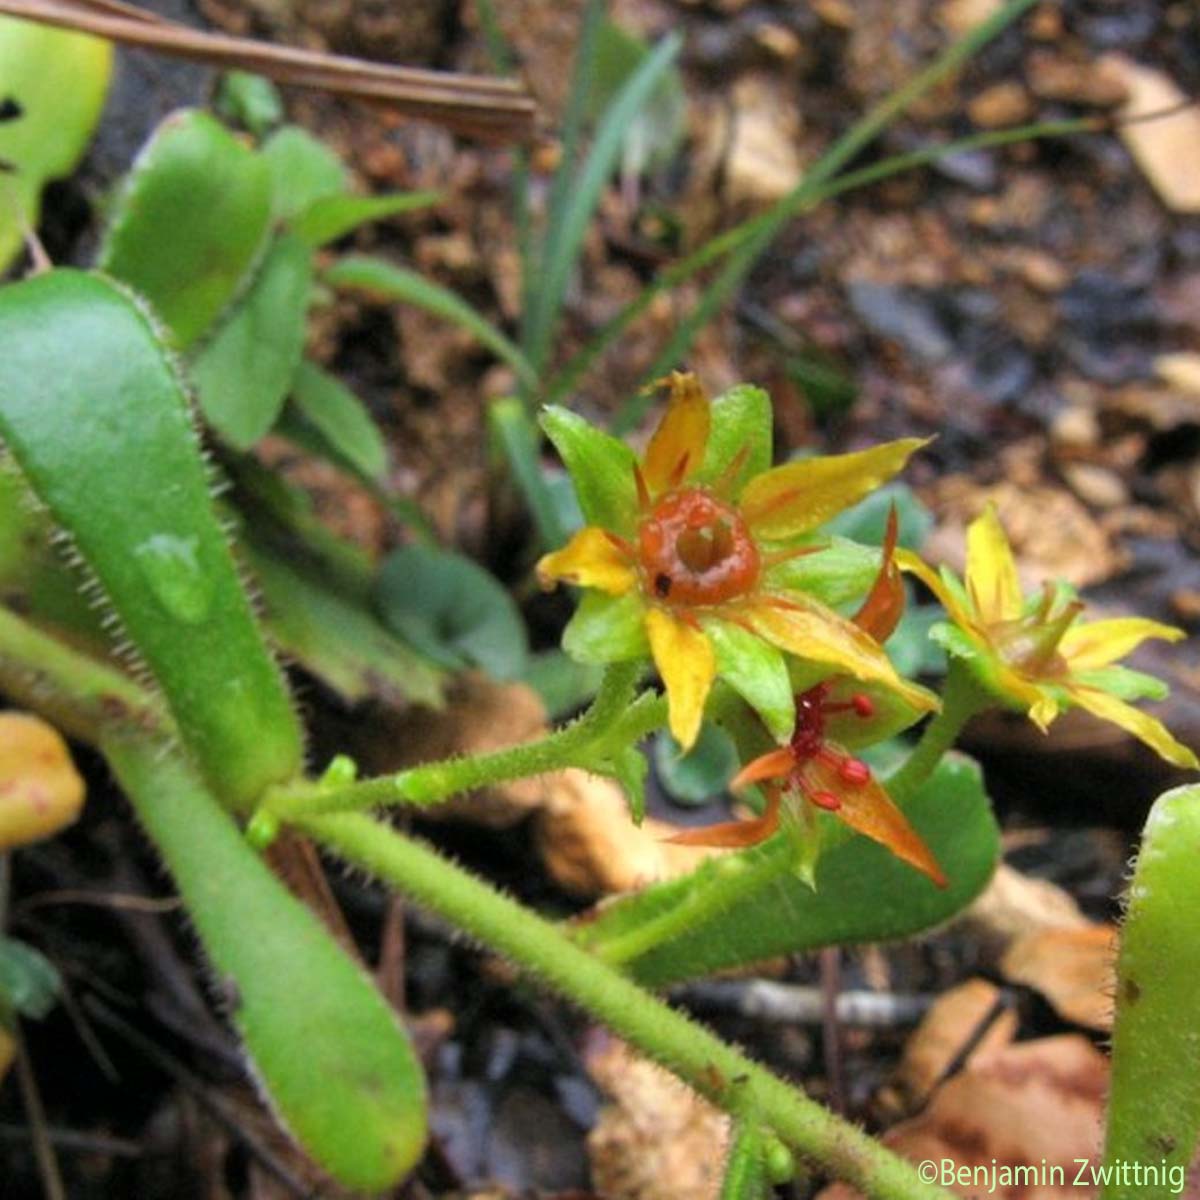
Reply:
x=452 y=610
x=863 y=893
x=29 y=982
x=244 y=372
x=600 y=466
x=326 y=1047
x=104 y=436
x=741 y=423
x=328 y=218
x=757 y=671
x=703 y=773
x=341 y=417
x=607 y=629
x=839 y=573
x=1154 y=1101
x=303 y=170
x=59 y=80
x=189 y=222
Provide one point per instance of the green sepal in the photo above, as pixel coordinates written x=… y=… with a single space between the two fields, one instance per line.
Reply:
x=741 y=420
x=59 y=79
x=757 y=671
x=863 y=892
x=189 y=223
x=607 y=629
x=839 y=573
x=1124 y=683
x=243 y=374
x=600 y=466
x=327 y=1048
x=104 y=436
x=302 y=169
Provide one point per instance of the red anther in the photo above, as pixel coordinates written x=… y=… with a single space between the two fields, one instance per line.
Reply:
x=854 y=771
x=826 y=800
x=863 y=705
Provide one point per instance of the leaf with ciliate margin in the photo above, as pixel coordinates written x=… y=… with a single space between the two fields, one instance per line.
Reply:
x=303 y=170
x=96 y=417
x=189 y=223
x=863 y=892
x=600 y=466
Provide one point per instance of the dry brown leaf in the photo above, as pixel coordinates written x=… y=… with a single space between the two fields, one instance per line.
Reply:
x=947 y=1028
x=40 y=790
x=1029 y=1103
x=1167 y=149
x=591 y=845
x=1072 y=968
x=1013 y=905
x=658 y=1140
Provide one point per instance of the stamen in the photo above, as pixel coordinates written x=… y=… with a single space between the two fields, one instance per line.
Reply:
x=855 y=772
x=826 y=800
x=863 y=705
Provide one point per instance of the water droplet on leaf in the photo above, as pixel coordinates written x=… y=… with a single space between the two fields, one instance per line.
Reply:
x=171 y=566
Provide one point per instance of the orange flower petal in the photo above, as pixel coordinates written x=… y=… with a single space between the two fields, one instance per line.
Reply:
x=775 y=764
x=685 y=659
x=806 y=628
x=1098 y=643
x=884 y=606
x=991 y=576
x=799 y=496
x=590 y=559
x=869 y=810
x=734 y=834
x=1142 y=725
x=677 y=447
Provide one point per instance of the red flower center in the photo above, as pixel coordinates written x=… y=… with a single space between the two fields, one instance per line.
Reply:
x=694 y=549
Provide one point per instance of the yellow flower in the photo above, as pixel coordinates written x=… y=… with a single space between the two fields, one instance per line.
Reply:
x=1036 y=653
x=691 y=550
